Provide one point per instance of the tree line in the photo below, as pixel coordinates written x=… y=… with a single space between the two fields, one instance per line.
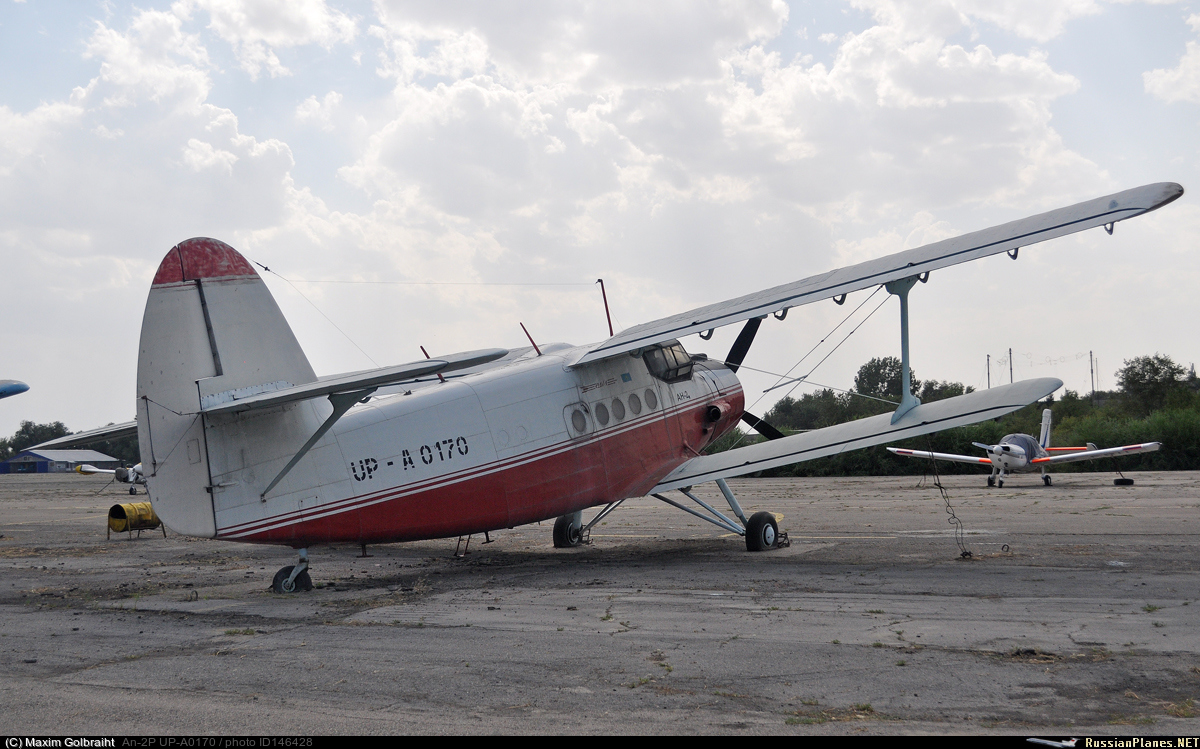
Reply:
x=30 y=434
x=1156 y=400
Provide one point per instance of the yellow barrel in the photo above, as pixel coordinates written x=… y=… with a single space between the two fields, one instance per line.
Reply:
x=132 y=516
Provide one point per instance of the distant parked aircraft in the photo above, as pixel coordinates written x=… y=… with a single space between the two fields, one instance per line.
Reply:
x=12 y=387
x=1021 y=453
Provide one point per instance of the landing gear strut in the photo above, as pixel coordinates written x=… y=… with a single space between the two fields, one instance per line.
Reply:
x=293 y=578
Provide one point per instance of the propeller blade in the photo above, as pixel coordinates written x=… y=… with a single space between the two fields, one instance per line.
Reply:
x=759 y=425
x=981 y=446
x=742 y=344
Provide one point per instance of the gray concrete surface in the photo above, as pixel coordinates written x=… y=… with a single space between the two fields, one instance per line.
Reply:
x=869 y=623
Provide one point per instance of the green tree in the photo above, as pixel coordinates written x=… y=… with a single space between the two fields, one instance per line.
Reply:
x=31 y=434
x=1148 y=381
x=881 y=378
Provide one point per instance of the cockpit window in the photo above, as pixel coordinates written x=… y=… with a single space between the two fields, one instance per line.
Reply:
x=669 y=362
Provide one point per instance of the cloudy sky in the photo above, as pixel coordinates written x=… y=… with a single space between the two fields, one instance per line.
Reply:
x=434 y=173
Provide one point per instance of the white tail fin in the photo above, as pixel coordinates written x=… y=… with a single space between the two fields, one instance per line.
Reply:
x=1044 y=440
x=211 y=327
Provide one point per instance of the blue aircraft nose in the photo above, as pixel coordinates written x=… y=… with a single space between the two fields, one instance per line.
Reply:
x=12 y=387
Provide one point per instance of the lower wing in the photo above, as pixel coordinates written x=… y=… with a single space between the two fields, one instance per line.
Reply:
x=91 y=470
x=853 y=435
x=1108 y=452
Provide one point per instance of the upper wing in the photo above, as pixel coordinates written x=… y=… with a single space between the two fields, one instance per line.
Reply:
x=1108 y=452
x=940 y=456
x=230 y=402
x=1015 y=234
x=852 y=435
x=110 y=432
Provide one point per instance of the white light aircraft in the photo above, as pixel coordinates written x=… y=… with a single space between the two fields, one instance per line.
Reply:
x=242 y=441
x=132 y=476
x=1021 y=453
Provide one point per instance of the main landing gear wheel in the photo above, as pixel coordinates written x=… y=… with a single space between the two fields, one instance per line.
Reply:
x=1046 y=480
x=281 y=584
x=991 y=480
x=568 y=531
x=1000 y=483
x=762 y=532
x=1122 y=482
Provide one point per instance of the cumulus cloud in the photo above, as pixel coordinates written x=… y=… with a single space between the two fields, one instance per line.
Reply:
x=319 y=112
x=154 y=59
x=1181 y=83
x=256 y=28
x=672 y=147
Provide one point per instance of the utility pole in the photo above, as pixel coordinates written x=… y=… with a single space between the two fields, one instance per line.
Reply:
x=1092 y=371
x=989 y=371
x=1010 y=376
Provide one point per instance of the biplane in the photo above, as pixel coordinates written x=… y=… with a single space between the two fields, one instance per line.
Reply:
x=241 y=440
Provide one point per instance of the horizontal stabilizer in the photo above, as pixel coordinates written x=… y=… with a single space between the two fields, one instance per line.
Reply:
x=1109 y=452
x=366 y=380
x=1004 y=238
x=103 y=434
x=853 y=435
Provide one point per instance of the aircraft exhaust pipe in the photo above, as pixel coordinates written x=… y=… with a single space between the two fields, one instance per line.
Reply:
x=717 y=411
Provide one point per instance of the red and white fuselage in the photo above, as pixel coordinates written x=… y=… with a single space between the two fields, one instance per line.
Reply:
x=495 y=450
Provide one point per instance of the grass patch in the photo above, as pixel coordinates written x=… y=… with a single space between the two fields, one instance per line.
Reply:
x=1130 y=720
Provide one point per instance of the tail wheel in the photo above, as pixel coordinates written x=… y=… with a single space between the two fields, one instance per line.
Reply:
x=568 y=531
x=762 y=532
x=281 y=585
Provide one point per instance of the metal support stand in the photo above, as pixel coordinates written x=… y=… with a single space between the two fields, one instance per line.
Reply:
x=907 y=400
x=465 y=549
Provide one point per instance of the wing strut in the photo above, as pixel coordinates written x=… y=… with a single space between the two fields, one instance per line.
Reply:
x=342 y=402
x=908 y=401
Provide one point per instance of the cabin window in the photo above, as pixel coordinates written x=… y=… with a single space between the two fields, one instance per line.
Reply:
x=601 y=414
x=669 y=362
x=618 y=409
x=579 y=421
x=651 y=399
x=635 y=404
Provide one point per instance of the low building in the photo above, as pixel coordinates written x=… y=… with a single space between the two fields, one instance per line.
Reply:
x=56 y=461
